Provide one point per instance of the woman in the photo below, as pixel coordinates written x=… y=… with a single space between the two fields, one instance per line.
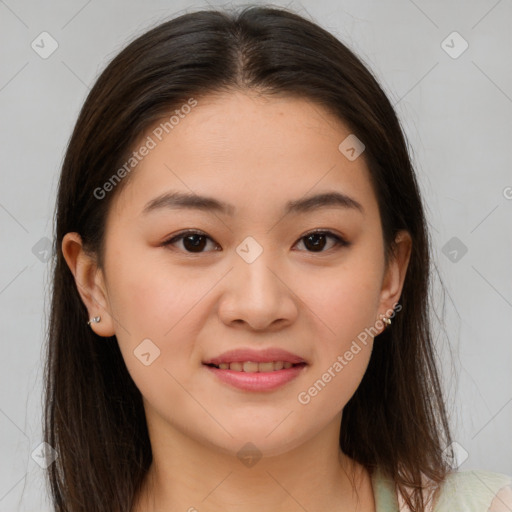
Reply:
x=240 y=315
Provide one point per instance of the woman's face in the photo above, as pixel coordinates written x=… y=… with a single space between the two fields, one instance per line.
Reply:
x=254 y=279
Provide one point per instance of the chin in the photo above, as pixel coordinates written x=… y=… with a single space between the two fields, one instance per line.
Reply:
x=263 y=440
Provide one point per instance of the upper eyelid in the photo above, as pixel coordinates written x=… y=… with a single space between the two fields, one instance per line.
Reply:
x=202 y=233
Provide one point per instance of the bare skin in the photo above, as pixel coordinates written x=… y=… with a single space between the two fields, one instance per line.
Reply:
x=256 y=153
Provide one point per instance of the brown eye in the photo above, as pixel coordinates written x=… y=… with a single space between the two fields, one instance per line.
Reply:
x=193 y=241
x=317 y=240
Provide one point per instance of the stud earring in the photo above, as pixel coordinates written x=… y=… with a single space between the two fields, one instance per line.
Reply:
x=386 y=320
x=94 y=319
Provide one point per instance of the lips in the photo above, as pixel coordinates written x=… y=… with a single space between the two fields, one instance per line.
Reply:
x=259 y=360
x=254 y=367
x=256 y=370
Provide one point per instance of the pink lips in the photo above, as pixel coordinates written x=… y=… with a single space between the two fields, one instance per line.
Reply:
x=258 y=356
x=256 y=381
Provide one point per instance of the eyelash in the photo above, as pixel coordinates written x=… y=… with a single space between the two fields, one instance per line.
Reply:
x=339 y=241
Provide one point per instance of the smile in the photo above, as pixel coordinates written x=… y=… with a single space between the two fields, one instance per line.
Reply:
x=255 y=367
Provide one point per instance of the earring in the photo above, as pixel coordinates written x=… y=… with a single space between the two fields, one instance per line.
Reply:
x=386 y=320
x=94 y=319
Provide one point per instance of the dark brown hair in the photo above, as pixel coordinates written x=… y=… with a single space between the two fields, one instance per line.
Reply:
x=94 y=416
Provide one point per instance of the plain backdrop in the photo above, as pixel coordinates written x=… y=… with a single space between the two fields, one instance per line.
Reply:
x=455 y=104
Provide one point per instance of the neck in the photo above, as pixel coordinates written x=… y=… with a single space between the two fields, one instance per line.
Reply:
x=315 y=476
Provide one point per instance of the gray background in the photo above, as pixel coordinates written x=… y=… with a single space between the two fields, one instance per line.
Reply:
x=456 y=112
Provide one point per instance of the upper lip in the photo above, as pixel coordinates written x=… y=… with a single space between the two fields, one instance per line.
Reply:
x=257 y=356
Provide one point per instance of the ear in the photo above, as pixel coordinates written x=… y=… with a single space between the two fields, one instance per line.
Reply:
x=394 y=276
x=89 y=282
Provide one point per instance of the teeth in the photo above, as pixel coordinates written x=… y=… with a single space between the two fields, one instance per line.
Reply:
x=253 y=367
x=262 y=367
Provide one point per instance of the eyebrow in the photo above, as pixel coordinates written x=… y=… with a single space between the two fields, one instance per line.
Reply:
x=177 y=200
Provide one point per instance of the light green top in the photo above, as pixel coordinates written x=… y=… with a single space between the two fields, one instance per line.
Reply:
x=462 y=491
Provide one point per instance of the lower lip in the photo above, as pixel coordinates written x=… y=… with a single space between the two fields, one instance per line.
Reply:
x=257 y=381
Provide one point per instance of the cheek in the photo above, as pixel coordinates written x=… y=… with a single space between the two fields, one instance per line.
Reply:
x=152 y=299
x=149 y=296
x=345 y=300
x=154 y=303
x=345 y=306
x=343 y=345
x=332 y=385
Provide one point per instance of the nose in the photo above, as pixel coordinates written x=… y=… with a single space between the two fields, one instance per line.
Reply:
x=258 y=295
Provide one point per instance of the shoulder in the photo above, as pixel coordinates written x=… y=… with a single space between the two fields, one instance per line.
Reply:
x=474 y=491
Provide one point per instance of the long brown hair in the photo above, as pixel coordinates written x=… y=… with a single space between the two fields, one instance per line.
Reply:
x=94 y=417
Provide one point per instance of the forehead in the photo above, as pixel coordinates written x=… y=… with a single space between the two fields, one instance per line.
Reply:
x=249 y=150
